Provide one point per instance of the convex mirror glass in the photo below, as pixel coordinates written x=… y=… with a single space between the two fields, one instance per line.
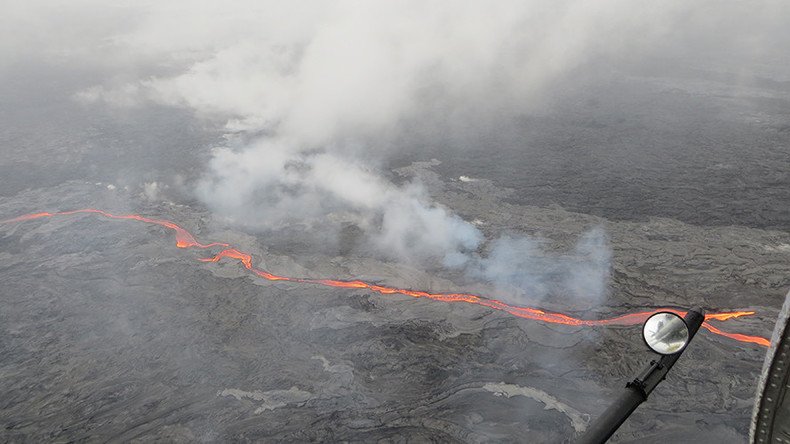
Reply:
x=665 y=333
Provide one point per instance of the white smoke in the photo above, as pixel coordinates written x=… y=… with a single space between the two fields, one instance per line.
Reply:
x=316 y=92
x=271 y=184
x=524 y=271
x=313 y=94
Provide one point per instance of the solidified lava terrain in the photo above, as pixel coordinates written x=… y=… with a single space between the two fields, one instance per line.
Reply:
x=110 y=332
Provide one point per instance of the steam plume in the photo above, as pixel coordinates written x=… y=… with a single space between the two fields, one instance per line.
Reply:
x=313 y=95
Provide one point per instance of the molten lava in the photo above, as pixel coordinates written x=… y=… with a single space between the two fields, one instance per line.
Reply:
x=184 y=239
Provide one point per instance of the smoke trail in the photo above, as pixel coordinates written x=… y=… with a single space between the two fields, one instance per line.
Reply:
x=523 y=271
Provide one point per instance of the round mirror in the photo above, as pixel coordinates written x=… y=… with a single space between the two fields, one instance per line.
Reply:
x=665 y=333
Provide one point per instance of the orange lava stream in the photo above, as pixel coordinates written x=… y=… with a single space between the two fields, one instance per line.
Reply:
x=737 y=336
x=184 y=239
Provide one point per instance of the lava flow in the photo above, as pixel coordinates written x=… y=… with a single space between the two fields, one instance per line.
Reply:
x=184 y=239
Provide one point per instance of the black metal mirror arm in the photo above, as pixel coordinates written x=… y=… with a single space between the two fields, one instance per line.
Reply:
x=637 y=391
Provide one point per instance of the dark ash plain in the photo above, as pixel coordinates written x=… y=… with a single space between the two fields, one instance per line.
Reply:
x=108 y=332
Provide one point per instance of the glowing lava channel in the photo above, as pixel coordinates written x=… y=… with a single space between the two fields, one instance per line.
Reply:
x=184 y=239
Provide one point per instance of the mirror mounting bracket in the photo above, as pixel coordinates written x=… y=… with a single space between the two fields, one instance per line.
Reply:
x=637 y=390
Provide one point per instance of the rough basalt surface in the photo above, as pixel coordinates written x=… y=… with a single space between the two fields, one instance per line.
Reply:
x=109 y=332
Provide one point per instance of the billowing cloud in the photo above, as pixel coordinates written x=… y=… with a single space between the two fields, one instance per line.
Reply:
x=313 y=95
x=524 y=271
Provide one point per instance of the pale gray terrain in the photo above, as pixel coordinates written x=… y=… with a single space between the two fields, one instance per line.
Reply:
x=109 y=332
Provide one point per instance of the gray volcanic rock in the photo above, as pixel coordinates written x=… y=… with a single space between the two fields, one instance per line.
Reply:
x=110 y=332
